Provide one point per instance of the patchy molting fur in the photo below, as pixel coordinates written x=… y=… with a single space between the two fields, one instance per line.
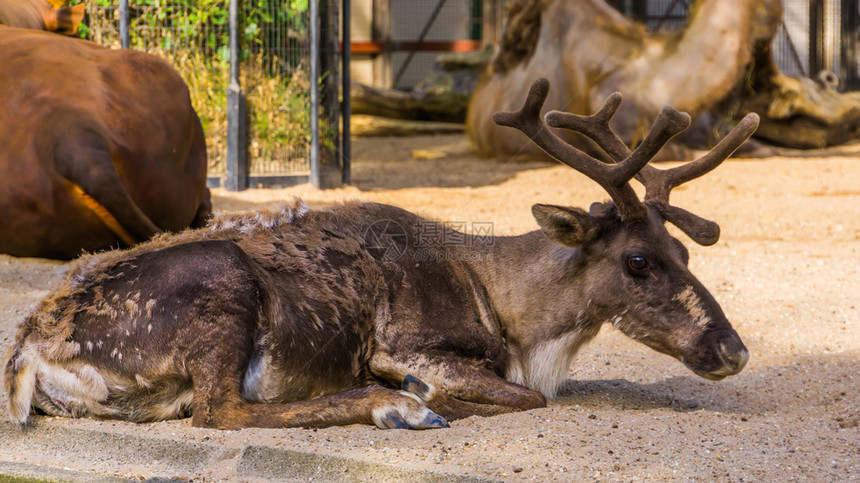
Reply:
x=235 y=226
x=41 y=371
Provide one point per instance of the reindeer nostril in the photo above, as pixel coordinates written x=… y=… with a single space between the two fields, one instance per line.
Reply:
x=734 y=359
x=726 y=357
x=741 y=358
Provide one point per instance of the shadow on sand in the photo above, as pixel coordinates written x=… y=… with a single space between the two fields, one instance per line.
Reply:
x=439 y=161
x=823 y=383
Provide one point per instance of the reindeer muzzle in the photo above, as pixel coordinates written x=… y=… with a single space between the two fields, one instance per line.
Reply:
x=726 y=356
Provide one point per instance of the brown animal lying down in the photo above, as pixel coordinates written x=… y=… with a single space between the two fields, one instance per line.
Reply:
x=293 y=317
x=99 y=148
x=53 y=16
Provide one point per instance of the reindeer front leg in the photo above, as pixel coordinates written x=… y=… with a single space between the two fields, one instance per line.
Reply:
x=454 y=387
x=218 y=403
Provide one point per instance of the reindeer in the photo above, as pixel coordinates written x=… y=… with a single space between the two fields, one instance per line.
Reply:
x=300 y=318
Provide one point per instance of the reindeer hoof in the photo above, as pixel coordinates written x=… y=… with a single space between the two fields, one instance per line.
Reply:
x=417 y=386
x=393 y=420
x=406 y=411
x=433 y=420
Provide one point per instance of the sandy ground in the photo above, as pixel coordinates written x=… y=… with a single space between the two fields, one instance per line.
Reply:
x=786 y=271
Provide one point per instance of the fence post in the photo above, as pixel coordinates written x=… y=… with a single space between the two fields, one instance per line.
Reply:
x=325 y=166
x=123 y=23
x=314 y=13
x=346 y=107
x=237 y=139
x=330 y=150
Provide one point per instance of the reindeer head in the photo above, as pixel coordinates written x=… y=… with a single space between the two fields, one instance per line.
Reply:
x=631 y=270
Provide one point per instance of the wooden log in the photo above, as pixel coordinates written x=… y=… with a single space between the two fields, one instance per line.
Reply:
x=440 y=105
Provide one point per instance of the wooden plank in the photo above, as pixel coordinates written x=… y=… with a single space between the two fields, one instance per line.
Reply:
x=360 y=47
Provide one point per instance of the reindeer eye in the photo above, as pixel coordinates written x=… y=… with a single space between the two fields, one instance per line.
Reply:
x=637 y=264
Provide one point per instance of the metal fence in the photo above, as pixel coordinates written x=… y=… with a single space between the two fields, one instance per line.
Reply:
x=272 y=64
x=396 y=43
x=421 y=30
x=296 y=128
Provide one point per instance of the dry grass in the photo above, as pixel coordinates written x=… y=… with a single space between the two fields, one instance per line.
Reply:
x=278 y=113
x=277 y=95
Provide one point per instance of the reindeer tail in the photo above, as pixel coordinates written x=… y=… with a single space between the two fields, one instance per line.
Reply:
x=19 y=382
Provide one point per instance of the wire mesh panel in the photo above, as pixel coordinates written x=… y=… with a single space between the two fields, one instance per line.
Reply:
x=655 y=14
x=193 y=36
x=791 y=46
x=442 y=23
x=666 y=14
x=277 y=84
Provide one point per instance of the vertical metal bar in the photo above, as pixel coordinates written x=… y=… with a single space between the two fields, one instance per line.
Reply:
x=638 y=10
x=234 y=42
x=314 y=86
x=123 y=23
x=346 y=107
x=237 y=141
x=381 y=32
x=792 y=49
x=330 y=172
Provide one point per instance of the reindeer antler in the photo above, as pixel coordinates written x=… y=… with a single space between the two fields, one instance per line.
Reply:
x=659 y=183
x=613 y=178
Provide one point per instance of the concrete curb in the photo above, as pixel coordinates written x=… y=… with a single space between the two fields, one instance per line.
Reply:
x=26 y=473
x=58 y=453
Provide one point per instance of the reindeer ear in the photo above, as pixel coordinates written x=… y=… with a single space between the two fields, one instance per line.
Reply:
x=572 y=227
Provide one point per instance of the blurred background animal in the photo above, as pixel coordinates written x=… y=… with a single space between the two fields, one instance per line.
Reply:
x=101 y=148
x=719 y=67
